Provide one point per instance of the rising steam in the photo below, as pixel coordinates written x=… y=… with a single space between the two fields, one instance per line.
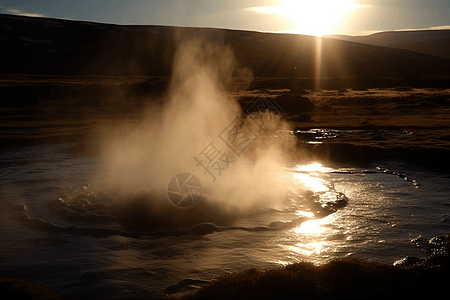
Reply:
x=144 y=157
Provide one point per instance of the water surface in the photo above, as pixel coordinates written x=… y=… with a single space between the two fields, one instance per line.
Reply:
x=331 y=210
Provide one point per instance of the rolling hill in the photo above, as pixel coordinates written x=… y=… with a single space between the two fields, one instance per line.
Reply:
x=64 y=47
x=431 y=42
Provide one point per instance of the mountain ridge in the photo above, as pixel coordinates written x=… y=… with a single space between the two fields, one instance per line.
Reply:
x=431 y=42
x=66 y=47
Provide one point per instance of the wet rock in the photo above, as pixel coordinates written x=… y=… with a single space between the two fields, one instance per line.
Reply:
x=186 y=285
x=436 y=246
x=439 y=251
x=341 y=200
x=409 y=261
x=437 y=241
x=204 y=228
x=421 y=243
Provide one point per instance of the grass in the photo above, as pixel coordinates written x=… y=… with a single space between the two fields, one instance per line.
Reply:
x=71 y=106
x=340 y=278
x=420 y=112
x=16 y=288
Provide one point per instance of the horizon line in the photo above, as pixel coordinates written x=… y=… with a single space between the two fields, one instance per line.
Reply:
x=286 y=31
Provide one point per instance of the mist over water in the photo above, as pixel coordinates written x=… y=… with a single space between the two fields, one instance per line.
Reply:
x=105 y=227
x=196 y=113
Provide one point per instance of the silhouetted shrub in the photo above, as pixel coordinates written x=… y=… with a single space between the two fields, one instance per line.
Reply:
x=294 y=104
x=339 y=278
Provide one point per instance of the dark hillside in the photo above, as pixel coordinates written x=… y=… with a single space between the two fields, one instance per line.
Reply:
x=64 y=47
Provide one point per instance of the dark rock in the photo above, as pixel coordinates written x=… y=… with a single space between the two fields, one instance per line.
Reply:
x=186 y=285
x=421 y=243
x=409 y=261
x=204 y=228
x=437 y=241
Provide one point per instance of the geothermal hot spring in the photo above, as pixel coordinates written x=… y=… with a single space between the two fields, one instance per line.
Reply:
x=199 y=187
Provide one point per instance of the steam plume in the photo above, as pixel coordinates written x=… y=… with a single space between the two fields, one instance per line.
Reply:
x=144 y=157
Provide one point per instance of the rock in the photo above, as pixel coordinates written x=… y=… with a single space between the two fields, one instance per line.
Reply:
x=421 y=243
x=341 y=201
x=439 y=256
x=409 y=261
x=204 y=228
x=186 y=285
x=437 y=242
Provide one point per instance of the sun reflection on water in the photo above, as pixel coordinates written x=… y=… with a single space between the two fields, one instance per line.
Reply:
x=310 y=237
x=309 y=176
x=307 y=249
x=313 y=167
x=312 y=182
x=311 y=227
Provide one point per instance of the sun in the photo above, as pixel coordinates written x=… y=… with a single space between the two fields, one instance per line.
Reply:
x=315 y=17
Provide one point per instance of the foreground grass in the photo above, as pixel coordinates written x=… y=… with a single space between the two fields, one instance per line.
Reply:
x=337 y=279
x=17 y=288
x=342 y=278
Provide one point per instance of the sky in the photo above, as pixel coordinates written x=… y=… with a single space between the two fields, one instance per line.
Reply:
x=313 y=17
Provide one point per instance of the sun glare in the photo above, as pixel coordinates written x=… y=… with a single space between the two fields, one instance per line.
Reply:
x=318 y=17
x=313 y=167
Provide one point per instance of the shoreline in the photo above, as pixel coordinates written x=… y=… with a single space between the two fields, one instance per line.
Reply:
x=409 y=277
x=364 y=125
x=348 y=125
x=340 y=278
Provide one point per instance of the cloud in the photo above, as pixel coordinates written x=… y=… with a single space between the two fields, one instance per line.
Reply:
x=265 y=9
x=18 y=12
x=369 y=32
x=441 y=27
x=288 y=7
x=366 y=32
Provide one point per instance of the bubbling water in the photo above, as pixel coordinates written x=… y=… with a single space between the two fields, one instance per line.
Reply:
x=196 y=113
